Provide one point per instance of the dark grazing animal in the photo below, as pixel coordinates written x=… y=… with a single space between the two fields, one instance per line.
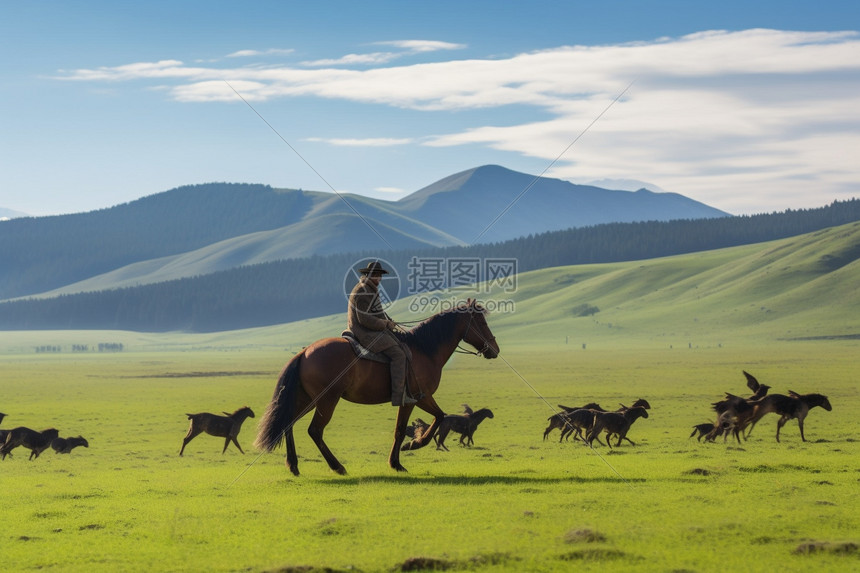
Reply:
x=734 y=412
x=732 y=415
x=417 y=429
x=579 y=421
x=583 y=423
x=66 y=445
x=220 y=426
x=2 y=432
x=465 y=425
x=559 y=420
x=616 y=423
x=788 y=407
x=703 y=430
x=36 y=442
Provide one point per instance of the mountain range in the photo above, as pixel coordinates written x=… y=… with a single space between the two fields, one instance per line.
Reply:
x=201 y=229
x=6 y=214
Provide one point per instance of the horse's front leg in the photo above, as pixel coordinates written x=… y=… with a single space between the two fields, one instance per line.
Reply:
x=429 y=405
x=403 y=414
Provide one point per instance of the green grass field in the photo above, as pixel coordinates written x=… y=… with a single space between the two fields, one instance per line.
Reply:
x=676 y=331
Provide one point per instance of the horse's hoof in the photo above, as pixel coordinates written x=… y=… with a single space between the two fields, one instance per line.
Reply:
x=294 y=471
x=340 y=471
x=399 y=468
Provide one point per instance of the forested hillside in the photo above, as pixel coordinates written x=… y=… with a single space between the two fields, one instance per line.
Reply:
x=202 y=229
x=277 y=292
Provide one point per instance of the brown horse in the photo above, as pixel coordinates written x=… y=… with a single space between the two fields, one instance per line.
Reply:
x=328 y=370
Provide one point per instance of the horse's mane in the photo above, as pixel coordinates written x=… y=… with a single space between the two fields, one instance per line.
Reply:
x=428 y=335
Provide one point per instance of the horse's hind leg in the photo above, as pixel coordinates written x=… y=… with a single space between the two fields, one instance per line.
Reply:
x=547 y=431
x=321 y=418
x=192 y=433
x=292 y=460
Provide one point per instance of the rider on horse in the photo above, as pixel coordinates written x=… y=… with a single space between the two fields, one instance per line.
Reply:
x=373 y=328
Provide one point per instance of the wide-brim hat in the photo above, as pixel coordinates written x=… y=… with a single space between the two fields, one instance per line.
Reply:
x=373 y=268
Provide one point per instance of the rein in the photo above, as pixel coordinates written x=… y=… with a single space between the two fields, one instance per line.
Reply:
x=461 y=350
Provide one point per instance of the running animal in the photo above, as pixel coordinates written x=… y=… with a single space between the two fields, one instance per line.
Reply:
x=560 y=420
x=66 y=445
x=788 y=407
x=417 y=429
x=704 y=431
x=220 y=426
x=36 y=442
x=616 y=423
x=465 y=425
x=2 y=432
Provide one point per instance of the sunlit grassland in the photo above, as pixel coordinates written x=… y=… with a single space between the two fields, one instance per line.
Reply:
x=676 y=331
x=511 y=502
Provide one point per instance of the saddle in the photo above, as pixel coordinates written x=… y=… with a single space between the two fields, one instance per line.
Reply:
x=366 y=354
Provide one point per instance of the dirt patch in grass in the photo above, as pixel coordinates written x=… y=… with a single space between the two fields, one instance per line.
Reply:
x=698 y=472
x=434 y=564
x=216 y=374
x=583 y=536
x=310 y=569
x=813 y=547
x=425 y=564
x=593 y=555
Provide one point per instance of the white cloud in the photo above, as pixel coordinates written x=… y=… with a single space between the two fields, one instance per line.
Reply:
x=422 y=45
x=714 y=115
x=366 y=142
x=252 y=53
x=375 y=58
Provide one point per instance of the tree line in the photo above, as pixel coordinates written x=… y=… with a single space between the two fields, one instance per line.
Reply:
x=297 y=289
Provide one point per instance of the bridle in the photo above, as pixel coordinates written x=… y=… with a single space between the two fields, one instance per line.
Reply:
x=469 y=326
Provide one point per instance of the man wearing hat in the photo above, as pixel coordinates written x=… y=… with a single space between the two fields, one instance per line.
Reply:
x=374 y=329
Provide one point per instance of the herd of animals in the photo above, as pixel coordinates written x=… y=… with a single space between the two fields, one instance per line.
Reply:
x=735 y=416
x=36 y=442
x=738 y=416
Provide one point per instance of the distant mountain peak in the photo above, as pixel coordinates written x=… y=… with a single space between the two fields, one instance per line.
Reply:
x=6 y=214
x=625 y=185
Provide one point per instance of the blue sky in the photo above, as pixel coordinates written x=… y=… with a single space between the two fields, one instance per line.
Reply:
x=747 y=106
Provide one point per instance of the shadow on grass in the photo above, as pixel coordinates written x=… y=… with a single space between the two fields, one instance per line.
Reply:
x=472 y=480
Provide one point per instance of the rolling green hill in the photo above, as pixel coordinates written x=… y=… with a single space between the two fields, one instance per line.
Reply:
x=805 y=287
x=203 y=229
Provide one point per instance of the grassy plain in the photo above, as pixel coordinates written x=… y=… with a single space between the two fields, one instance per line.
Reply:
x=676 y=331
x=512 y=502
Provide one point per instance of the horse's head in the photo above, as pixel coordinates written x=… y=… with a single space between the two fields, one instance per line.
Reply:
x=821 y=400
x=478 y=332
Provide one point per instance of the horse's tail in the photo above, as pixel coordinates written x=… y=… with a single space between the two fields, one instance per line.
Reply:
x=280 y=411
